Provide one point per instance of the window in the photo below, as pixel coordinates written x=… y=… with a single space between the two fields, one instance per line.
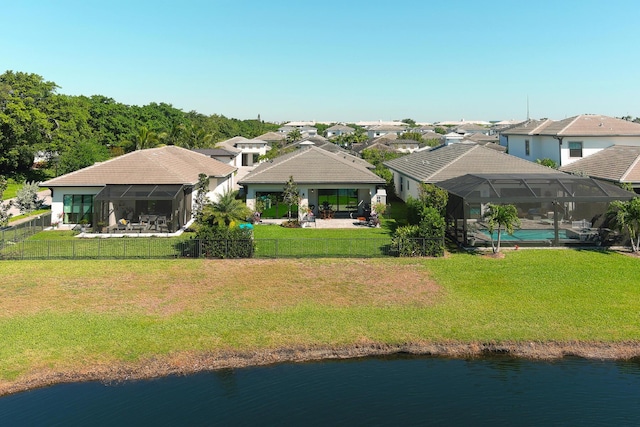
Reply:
x=401 y=184
x=575 y=149
x=527 y=147
x=77 y=207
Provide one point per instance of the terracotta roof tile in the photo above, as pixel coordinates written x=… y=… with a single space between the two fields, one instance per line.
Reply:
x=163 y=165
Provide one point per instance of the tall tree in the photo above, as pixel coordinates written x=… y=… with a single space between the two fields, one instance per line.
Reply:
x=80 y=155
x=24 y=124
x=626 y=217
x=501 y=217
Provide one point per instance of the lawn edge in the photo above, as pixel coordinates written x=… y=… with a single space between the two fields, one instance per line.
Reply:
x=186 y=363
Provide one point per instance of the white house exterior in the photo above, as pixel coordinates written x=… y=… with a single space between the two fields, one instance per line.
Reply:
x=337 y=130
x=250 y=149
x=378 y=131
x=320 y=175
x=158 y=181
x=452 y=138
x=568 y=140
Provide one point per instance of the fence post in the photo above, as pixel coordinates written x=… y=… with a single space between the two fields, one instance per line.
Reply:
x=149 y=248
x=73 y=249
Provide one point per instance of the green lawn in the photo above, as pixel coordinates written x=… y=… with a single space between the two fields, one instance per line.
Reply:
x=68 y=315
x=12 y=190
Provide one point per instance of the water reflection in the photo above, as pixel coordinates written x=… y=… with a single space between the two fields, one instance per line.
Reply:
x=381 y=391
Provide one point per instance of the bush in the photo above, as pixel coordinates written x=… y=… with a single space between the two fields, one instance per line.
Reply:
x=424 y=239
x=220 y=242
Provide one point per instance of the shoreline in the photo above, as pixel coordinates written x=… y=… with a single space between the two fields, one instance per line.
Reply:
x=187 y=363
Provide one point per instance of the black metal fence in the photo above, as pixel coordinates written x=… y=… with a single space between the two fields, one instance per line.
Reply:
x=149 y=248
x=17 y=233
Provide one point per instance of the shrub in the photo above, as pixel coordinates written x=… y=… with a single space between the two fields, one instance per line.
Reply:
x=220 y=242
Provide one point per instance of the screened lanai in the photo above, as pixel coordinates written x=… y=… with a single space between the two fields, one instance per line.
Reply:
x=553 y=209
x=143 y=208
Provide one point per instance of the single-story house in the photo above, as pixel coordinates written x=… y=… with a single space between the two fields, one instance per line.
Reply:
x=157 y=182
x=343 y=182
x=554 y=207
x=569 y=140
x=451 y=161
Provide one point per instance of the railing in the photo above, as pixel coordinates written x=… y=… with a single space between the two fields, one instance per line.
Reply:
x=17 y=233
x=158 y=248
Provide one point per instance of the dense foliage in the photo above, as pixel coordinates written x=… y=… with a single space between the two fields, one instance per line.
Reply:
x=77 y=131
x=424 y=236
x=625 y=217
x=221 y=242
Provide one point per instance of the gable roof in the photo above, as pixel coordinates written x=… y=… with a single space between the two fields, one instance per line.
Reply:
x=451 y=161
x=163 y=165
x=313 y=165
x=342 y=128
x=618 y=163
x=582 y=125
x=272 y=136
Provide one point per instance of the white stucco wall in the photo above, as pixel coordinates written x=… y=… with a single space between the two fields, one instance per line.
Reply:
x=591 y=145
x=57 y=199
x=410 y=186
x=547 y=147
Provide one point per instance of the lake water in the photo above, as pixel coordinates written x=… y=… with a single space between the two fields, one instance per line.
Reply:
x=381 y=391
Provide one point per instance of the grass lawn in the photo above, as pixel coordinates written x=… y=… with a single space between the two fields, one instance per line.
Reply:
x=73 y=314
x=12 y=190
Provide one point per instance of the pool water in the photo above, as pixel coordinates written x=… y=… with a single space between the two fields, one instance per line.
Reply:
x=524 y=235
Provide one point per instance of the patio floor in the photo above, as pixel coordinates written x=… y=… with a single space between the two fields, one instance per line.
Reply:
x=324 y=223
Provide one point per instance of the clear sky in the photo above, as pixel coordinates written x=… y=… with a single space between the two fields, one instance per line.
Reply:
x=335 y=60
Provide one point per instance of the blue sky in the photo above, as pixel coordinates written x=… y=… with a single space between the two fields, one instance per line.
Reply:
x=336 y=60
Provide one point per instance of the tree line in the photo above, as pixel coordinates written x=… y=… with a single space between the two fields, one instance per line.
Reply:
x=76 y=131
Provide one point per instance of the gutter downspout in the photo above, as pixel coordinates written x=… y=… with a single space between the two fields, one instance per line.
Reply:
x=559 y=138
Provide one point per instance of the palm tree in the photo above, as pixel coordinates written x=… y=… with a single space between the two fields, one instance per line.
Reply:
x=626 y=216
x=294 y=135
x=501 y=217
x=226 y=210
x=146 y=138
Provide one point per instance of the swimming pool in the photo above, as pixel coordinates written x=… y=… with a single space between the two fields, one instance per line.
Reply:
x=526 y=235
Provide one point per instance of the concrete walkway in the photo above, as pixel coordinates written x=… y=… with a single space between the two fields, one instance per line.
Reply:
x=321 y=223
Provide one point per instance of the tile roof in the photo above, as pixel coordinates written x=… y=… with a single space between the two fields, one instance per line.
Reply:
x=342 y=128
x=272 y=136
x=450 y=161
x=163 y=165
x=211 y=152
x=618 y=163
x=582 y=125
x=313 y=165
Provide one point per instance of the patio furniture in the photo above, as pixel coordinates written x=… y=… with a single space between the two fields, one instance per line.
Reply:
x=144 y=221
x=308 y=219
